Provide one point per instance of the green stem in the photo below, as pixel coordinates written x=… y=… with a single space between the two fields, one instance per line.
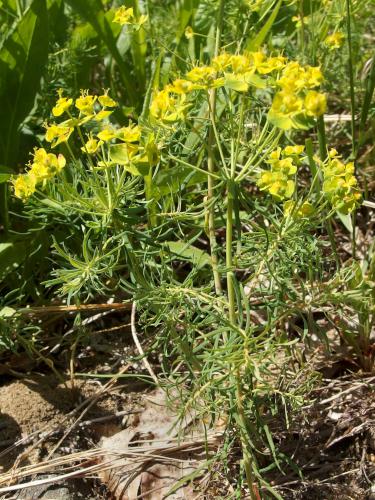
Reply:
x=323 y=155
x=4 y=213
x=244 y=440
x=229 y=257
x=211 y=163
x=351 y=77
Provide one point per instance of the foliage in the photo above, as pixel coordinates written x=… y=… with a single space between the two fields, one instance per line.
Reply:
x=202 y=184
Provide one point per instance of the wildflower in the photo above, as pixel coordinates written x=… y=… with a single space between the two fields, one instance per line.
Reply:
x=46 y=165
x=291 y=208
x=271 y=64
x=62 y=104
x=293 y=150
x=167 y=108
x=86 y=103
x=241 y=64
x=189 y=33
x=335 y=40
x=277 y=184
x=103 y=114
x=24 y=186
x=106 y=134
x=58 y=133
x=204 y=76
x=124 y=15
x=286 y=103
x=315 y=103
x=107 y=101
x=181 y=86
x=296 y=78
x=131 y=133
x=91 y=146
x=313 y=76
x=340 y=184
x=222 y=61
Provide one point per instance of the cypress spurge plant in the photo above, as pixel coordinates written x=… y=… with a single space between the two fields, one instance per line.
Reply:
x=229 y=252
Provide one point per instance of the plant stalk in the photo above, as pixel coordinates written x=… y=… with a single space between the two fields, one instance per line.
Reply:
x=211 y=163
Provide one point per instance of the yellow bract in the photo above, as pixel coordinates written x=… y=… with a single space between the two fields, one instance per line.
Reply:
x=106 y=134
x=91 y=146
x=107 y=101
x=315 y=103
x=340 y=184
x=86 y=103
x=62 y=104
x=43 y=167
x=131 y=133
x=125 y=15
x=24 y=186
x=58 y=133
x=298 y=211
x=335 y=40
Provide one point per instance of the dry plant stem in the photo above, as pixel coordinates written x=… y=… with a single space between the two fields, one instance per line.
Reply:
x=139 y=347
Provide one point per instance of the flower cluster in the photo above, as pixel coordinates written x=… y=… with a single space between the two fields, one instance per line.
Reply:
x=234 y=71
x=280 y=180
x=298 y=210
x=335 y=40
x=125 y=15
x=43 y=167
x=89 y=107
x=297 y=101
x=340 y=184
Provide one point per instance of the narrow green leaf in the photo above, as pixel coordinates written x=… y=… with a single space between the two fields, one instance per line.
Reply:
x=188 y=252
x=23 y=54
x=257 y=41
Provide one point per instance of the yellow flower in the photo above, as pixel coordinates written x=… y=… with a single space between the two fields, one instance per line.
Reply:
x=91 y=146
x=203 y=75
x=241 y=64
x=333 y=153
x=274 y=155
x=189 y=33
x=315 y=103
x=62 y=104
x=293 y=150
x=335 y=40
x=295 y=77
x=161 y=102
x=103 y=114
x=86 y=103
x=181 y=86
x=131 y=133
x=167 y=108
x=107 y=101
x=24 y=186
x=298 y=211
x=46 y=165
x=124 y=15
x=271 y=64
x=58 y=133
x=314 y=76
x=106 y=134
x=222 y=61
x=277 y=184
x=287 y=103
